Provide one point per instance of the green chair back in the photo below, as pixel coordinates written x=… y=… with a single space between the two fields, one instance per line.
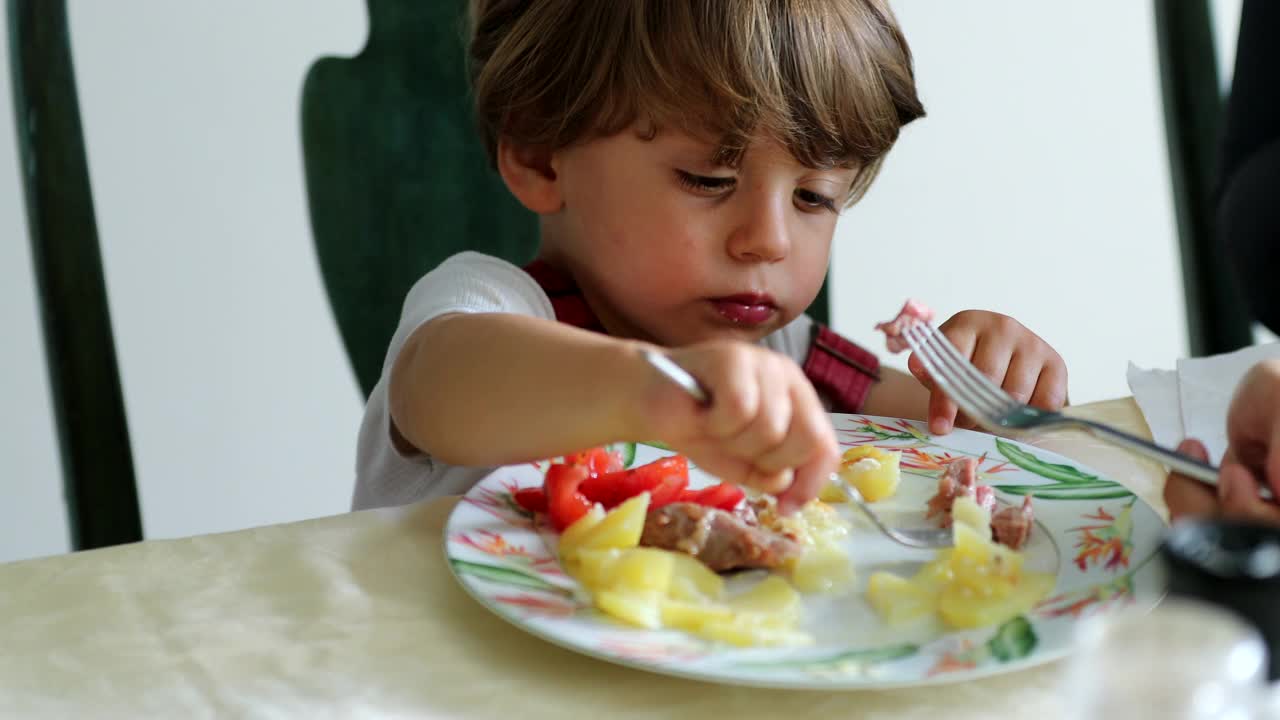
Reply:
x=397 y=177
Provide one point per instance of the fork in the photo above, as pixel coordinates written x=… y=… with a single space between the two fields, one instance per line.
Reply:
x=991 y=407
x=923 y=538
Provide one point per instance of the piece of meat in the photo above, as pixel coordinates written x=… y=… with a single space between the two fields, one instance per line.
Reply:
x=1012 y=525
x=958 y=478
x=721 y=540
x=911 y=313
x=746 y=512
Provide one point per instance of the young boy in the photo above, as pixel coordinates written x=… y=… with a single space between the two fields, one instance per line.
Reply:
x=687 y=161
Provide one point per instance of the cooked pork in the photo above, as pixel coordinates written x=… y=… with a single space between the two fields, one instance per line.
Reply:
x=911 y=313
x=721 y=540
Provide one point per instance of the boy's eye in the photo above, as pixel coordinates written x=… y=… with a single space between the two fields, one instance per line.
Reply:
x=815 y=201
x=707 y=184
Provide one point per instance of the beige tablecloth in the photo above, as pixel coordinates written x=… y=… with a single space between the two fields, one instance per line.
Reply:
x=356 y=616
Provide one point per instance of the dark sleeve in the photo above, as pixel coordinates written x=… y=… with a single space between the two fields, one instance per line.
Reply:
x=1248 y=203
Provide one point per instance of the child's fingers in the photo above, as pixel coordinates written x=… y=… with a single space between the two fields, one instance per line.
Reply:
x=1022 y=376
x=735 y=393
x=809 y=480
x=810 y=436
x=719 y=464
x=1187 y=497
x=916 y=368
x=769 y=428
x=942 y=413
x=1051 y=387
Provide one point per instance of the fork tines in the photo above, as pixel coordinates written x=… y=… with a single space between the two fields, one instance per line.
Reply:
x=972 y=391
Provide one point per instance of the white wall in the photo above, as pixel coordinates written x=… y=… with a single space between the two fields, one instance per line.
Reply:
x=1042 y=163
x=1037 y=186
x=242 y=407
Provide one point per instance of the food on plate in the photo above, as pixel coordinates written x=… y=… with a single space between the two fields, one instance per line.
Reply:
x=958 y=479
x=1009 y=526
x=977 y=583
x=582 y=479
x=1012 y=525
x=822 y=566
x=872 y=470
x=652 y=588
x=911 y=313
x=721 y=540
x=648 y=548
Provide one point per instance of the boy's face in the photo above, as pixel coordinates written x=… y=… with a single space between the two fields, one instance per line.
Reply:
x=671 y=248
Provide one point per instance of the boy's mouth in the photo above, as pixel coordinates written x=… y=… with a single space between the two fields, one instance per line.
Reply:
x=746 y=309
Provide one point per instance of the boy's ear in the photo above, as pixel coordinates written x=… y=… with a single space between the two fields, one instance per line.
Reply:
x=529 y=175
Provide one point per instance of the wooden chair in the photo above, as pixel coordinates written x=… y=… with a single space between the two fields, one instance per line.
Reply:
x=93 y=433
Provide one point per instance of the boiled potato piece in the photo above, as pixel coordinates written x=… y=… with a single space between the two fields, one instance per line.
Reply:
x=873 y=471
x=571 y=538
x=772 y=599
x=899 y=600
x=643 y=570
x=640 y=608
x=975 y=584
x=823 y=569
x=593 y=568
x=746 y=631
x=620 y=528
x=963 y=607
x=692 y=616
x=965 y=511
x=982 y=565
x=693 y=581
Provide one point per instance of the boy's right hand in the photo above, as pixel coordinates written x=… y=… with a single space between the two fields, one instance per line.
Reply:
x=765 y=427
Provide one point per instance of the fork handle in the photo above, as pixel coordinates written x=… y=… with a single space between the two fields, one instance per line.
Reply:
x=1202 y=471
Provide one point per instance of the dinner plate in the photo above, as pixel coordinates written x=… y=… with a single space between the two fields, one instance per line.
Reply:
x=1096 y=537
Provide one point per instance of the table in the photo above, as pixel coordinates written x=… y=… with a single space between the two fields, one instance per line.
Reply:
x=357 y=616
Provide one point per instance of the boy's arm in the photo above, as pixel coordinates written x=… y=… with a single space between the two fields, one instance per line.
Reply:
x=898 y=394
x=498 y=388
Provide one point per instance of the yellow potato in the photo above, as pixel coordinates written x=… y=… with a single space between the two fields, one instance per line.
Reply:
x=641 y=608
x=571 y=538
x=823 y=569
x=592 y=568
x=963 y=607
x=873 y=471
x=691 y=616
x=772 y=599
x=965 y=511
x=899 y=600
x=642 y=570
x=981 y=564
x=693 y=581
x=621 y=527
x=746 y=632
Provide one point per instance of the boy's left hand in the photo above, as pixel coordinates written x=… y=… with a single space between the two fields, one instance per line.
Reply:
x=1013 y=357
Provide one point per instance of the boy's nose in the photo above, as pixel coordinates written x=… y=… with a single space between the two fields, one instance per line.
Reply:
x=762 y=235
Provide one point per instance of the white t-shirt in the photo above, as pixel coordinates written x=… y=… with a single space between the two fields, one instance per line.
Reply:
x=473 y=283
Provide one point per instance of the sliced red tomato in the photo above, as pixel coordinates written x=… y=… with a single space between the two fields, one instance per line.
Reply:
x=533 y=499
x=597 y=460
x=664 y=479
x=723 y=496
x=565 y=503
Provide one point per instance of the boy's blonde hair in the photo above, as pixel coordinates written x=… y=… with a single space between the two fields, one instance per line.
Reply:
x=829 y=79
